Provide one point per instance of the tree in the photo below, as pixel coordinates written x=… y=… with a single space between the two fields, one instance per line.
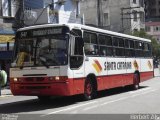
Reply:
x=155 y=45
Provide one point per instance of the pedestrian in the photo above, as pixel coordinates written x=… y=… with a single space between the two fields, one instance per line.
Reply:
x=3 y=79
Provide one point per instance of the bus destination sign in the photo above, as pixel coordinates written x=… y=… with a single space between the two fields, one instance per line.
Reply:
x=41 y=32
x=49 y=31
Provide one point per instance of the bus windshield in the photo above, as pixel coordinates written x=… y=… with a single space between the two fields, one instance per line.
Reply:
x=42 y=51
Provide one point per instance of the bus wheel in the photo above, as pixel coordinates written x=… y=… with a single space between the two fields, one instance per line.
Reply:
x=136 y=81
x=44 y=98
x=89 y=90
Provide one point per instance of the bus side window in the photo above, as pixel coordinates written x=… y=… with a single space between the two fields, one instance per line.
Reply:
x=118 y=44
x=150 y=49
x=139 y=46
x=147 y=50
x=90 y=43
x=105 y=44
x=129 y=48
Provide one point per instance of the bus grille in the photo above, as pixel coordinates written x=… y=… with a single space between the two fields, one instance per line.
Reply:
x=34 y=79
x=35 y=87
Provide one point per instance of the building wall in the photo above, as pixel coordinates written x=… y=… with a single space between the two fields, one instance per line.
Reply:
x=152 y=9
x=115 y=21
x=46 y=13
x=153 y=29
x=89 y=10
x=8 y=12
x=115 y=7
x=140 y=22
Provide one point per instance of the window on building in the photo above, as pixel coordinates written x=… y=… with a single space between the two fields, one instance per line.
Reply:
x=156 y=28
x=135 y=30
x=134 y=1
x=141 y=16
x=141 y=3
x=105 y=19
x=134 y=15
x=6 y=8
x=148 y=29
x=77 y=8
x=153 y=2
x=153 y=12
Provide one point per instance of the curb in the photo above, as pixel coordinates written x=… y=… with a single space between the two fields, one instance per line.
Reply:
x=4 y=96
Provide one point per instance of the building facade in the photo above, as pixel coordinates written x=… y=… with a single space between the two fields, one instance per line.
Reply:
x=116 y=15
x=152 y=10
x=51 y=11
x=153 y=29
x=8 y=26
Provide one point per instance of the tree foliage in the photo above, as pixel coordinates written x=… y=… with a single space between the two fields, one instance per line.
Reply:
x=155 y=45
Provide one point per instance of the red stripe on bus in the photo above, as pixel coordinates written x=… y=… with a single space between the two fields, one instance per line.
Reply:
x=100 y=67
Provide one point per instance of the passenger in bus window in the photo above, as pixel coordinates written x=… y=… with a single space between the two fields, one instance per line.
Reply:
x=90 y=49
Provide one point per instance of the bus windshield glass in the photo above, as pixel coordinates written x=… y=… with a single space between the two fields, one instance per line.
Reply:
x=51 y=50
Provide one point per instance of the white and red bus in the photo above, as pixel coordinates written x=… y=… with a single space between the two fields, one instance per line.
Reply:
x=71 y=59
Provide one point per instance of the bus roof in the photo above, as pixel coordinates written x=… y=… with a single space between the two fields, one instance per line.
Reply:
x=79 y=26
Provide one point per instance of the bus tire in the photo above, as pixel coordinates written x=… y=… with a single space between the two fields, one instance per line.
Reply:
x=136 y=81
x=89 y=89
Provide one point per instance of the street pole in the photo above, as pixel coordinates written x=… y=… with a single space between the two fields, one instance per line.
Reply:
x=52 y=5
x=98 y=13
x=22 y=13
x=122 y=20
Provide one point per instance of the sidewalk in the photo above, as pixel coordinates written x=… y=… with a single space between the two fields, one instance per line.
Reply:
x=5 y=92
x=157 y=72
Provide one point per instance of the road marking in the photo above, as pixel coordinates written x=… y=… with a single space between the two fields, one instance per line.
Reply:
x=88 y=108
x=74 y=112
x=109 y=102
x=153 y=90
x=70 y=108
x=123 y=98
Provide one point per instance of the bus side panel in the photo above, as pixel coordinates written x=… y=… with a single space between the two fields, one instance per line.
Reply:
x=113 y=81
x=115 y=72
x=146 y=75
x=101 y=83
x=78 y=85
x=130 y=70
x=128 y=80
x=146 y=69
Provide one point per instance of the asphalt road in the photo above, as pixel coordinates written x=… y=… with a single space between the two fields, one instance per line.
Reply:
x=119 y=103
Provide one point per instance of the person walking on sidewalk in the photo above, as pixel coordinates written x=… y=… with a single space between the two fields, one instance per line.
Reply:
x=3 y=79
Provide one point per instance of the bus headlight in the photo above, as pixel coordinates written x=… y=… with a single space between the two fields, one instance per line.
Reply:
x=15 y=79
x=57 y=78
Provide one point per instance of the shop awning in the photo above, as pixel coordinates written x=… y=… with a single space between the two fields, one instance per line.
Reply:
x=6 y=38
x=6 y=35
